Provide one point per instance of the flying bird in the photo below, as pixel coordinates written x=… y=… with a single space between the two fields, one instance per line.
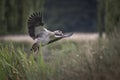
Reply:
x=42 y=35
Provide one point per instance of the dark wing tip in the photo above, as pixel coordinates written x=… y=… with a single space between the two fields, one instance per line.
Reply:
x=59 y=38
x=68 y=34
x=54 y=40
x=36 y=19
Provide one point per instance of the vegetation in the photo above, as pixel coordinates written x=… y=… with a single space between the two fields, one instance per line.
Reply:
x=85 y=60
x=15 y=64
x=14 y=14
x=58 y=14
x=108 y=16
x=65 y=60
x=101 y=14
x=112 y=18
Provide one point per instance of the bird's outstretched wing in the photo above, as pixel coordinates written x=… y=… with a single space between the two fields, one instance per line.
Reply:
x=34 y=21
x=60 y=37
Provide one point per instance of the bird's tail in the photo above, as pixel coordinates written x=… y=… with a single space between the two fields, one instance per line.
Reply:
x=35 y=47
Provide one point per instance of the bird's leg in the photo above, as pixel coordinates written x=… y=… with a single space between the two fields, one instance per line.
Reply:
x=35 y=47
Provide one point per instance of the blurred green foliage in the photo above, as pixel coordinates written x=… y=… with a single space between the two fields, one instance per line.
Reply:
x=112 y=18
x=14 y=14
x=65 y=60
x=101 y=14
x=108 y=16
x=73 y=15
x=60 y=15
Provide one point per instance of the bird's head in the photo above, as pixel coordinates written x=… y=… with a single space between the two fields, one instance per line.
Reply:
x=58 y=33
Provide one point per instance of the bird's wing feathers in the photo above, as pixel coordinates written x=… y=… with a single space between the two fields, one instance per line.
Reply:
x=60 y=37
x=64 y=35
x=34 y=21
x=67 y=35
x=46 y=30
x=35 y=27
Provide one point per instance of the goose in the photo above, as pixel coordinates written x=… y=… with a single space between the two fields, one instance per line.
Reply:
x=42 y=36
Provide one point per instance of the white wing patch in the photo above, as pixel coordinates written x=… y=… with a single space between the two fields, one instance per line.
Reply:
x=38 y=30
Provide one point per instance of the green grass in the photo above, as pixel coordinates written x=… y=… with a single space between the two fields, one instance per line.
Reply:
x=16 y=65
x=66 y=60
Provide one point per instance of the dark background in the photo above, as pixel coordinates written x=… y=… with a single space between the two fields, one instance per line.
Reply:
x=66 y=15
x=71 y=15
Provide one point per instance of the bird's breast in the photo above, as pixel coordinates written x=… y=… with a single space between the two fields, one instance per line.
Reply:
x=43 y=39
